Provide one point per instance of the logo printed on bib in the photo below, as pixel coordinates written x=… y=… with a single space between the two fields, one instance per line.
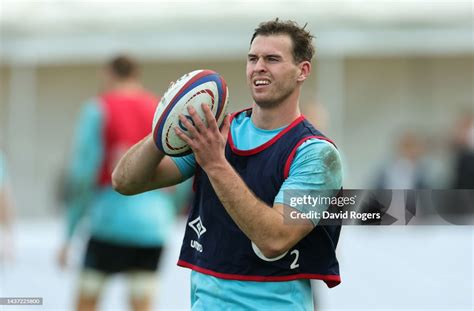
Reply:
x=197 y=226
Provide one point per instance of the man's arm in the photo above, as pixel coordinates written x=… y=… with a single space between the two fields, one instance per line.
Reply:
x=316 y=166
x=144 y=168
x=86 y=157
x=262 y=224
x=79 y=179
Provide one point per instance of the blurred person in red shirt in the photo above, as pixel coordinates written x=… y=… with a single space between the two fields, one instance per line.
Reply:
x=127 y=233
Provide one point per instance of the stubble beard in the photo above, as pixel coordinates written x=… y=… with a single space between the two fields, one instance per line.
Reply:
x=274 y=102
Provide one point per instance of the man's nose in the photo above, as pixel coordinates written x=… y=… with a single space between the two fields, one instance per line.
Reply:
x=260 y=65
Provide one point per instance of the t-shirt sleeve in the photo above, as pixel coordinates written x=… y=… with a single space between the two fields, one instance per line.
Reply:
x=316 y=166
x=186 y=165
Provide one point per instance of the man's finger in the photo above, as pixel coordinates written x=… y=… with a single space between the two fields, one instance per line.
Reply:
x=183 y=136
x=225 y=126
x=211 y=120
x=188 y=125
x=201 y=127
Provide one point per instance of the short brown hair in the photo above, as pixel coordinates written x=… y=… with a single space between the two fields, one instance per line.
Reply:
x=123 y=67
x=303 y=49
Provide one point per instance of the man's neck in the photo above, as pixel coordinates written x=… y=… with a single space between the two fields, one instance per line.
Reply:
x=276 y=117
x=127 y=86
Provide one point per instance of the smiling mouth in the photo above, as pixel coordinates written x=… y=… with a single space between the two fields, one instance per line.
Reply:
x=261 y=82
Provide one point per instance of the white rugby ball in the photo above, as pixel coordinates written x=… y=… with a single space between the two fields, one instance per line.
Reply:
x=194 y=88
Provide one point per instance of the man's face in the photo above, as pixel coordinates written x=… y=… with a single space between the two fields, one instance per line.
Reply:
x=271 y=71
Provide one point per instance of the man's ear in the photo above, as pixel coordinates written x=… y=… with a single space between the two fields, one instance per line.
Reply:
x=305 y=71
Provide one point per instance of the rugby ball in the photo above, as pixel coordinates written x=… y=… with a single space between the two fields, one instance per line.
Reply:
x=194 y=88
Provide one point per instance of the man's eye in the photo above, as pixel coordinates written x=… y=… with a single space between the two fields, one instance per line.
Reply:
x=272 y=59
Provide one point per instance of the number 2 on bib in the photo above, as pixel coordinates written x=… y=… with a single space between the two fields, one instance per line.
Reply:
x=295 y=263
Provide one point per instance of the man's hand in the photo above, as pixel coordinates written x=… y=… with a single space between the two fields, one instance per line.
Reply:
x=208 y=143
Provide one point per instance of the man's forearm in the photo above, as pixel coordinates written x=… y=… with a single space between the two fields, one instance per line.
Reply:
x=262 y=224
x=135 y=171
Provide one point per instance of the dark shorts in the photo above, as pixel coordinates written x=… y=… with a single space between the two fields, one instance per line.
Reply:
x=112 y=258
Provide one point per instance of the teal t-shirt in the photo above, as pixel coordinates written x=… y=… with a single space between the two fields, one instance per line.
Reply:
x=317 y=165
